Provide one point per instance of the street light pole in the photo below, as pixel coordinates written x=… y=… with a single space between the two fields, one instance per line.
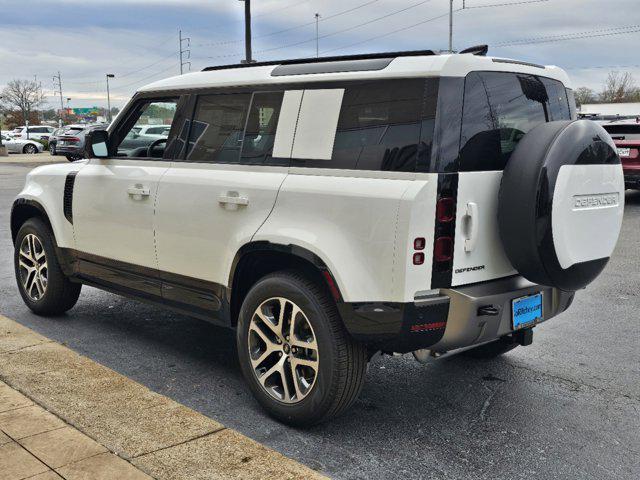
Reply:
x=317 y=15
x=109 y=75
x=450 y=26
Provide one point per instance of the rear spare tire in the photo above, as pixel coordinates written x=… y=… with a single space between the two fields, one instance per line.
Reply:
x=561 y=203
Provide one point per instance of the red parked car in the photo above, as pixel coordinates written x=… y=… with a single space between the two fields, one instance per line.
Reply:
x=626 y=136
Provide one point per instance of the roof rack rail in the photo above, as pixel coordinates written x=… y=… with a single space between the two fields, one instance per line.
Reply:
x=480 y=50
x=342 y=58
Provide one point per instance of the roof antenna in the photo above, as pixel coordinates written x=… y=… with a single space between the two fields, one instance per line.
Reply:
x=480 y=50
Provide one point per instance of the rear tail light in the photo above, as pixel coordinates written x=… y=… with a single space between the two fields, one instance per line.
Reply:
x=445 y=209
x=443 y=249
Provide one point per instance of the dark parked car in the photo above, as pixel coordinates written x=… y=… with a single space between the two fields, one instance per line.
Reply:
x=67 y=141
x=626 y=136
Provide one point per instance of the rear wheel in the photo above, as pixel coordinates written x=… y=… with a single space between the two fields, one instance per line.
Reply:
x=42 y=284
x=30 y=149
x=73 y=158
x=299 y=361
x=52 y=149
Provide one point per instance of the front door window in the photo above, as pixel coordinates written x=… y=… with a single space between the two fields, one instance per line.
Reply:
x=148 y=134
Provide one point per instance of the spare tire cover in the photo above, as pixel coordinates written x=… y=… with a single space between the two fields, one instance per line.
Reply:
x=561 y=203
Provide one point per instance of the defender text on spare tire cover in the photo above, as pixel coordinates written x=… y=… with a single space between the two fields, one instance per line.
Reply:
x=561 y=204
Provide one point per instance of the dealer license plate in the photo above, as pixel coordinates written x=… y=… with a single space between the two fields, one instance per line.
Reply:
x=526 y=311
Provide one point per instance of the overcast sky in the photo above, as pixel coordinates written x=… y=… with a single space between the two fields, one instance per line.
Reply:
x=137 y=40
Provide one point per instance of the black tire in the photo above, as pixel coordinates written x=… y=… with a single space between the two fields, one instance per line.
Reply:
x=491 y=350
x=60 y=293
x=73 y=158
x=30 y=148
x=528 y=198
x=342 y=361
x=52 y=149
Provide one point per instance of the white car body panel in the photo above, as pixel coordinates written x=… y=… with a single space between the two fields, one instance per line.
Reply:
x=487 y=259
x=347 y=221
x=203 y=243
x=317 y=123
x=587 y=211
x=108 y=220
x=45 y=186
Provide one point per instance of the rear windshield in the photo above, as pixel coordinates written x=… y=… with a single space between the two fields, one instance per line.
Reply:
x=623 y=132
x=499 y=109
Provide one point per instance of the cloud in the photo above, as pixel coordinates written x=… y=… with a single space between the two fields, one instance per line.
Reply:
x=137 y=39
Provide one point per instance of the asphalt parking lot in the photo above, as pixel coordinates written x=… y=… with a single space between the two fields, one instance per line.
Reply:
x=567 y=406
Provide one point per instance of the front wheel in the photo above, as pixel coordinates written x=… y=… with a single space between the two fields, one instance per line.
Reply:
x=295 y=354
x=43 y=286
x=52 y=149
x=30 y=149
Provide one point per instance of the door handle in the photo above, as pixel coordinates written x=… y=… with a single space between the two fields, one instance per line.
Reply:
x=138 y=191
x=232 y=200
x=474 y=227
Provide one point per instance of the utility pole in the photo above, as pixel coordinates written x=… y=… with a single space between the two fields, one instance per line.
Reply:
x=57 y=79
x=109 y=75
x=185 y=53
x=317 y=15
x=247 y=31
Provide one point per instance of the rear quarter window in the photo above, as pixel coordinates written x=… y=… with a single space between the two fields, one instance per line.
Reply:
x=499 y=110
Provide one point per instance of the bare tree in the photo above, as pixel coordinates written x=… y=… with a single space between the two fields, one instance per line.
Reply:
x=619 y=87
x=22 y=95
x=585 y=95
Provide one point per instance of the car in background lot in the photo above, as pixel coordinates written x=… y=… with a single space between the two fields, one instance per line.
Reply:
x=17 y=145
x=36 y=132
x=158 y=131
x=66 y=135
x=626 y=136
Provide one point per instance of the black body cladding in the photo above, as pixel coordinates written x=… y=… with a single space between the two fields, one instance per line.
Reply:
x=526 y=199
x=69 y=183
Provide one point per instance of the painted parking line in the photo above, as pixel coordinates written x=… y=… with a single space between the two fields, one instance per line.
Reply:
x=156 y=434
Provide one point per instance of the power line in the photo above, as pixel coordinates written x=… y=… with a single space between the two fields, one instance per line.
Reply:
x=605 y=32
x=391 y=32
x=506 y=4
x=327 y=35
x=279 y=9
x=289 y=29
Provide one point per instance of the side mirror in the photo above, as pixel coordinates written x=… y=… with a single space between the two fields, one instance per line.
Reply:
x=97 y=144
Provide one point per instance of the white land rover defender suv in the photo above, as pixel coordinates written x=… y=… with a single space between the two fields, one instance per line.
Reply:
x=328 y=209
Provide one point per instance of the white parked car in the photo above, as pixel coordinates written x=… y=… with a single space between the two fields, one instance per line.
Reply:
x=331 y=209
x=159 y=131
x=36 y=132
x=17 y=145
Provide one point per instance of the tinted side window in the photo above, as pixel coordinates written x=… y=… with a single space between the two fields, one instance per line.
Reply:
x=379 y=126
x=558 y=102
x=260 y=133
x=216 y=130
x=499 y=109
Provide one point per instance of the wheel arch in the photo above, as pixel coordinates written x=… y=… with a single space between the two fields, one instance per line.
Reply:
x=258 y=259
x=22 y=210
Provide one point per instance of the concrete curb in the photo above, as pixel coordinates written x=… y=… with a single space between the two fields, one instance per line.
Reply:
x=156 y=434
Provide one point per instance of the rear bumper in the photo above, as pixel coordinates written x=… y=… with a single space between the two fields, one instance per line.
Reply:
x=455 y=318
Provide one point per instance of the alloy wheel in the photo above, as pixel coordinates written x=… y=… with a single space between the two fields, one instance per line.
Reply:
x=30 y=149
x=33 y=268
x=283 y=350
